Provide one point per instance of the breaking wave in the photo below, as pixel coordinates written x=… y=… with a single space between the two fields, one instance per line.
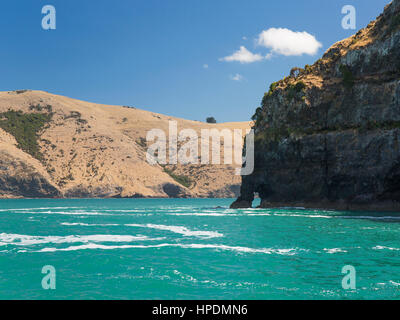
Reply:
x=288 y=252
x=27 y=240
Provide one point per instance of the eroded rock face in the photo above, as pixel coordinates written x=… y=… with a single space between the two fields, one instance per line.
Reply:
x=173 y=190
x=18 y=179
x=329 y=137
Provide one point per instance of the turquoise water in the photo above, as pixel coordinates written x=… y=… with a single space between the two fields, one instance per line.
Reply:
x=193 y=249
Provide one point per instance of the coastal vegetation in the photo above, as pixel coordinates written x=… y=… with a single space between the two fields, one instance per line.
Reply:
x=276 y=134
x=26 y=129
x=183 y=180
x=295 y=89
x=141 y=141
x=211 y=120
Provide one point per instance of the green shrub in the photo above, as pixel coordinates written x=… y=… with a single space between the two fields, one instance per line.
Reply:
x=40 y=108
x=308 y=68
x=142 y=142
x=272 y=88
x=26 y=128
x=294 y=89
x=73 y=115
x=299 y=86
x=183 y=180
x=20 y=91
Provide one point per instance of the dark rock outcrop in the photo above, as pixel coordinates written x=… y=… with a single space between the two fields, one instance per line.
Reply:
x=328 y=135
x=173 y=190
x=18 y=179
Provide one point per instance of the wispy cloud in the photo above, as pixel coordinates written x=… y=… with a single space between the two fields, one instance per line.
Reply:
x=268 y=56
x=243 y=56
x=205 y=66
x=237 y=77
x=289 y=43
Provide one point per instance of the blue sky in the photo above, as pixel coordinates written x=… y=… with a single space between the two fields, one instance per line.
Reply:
x=151 y=54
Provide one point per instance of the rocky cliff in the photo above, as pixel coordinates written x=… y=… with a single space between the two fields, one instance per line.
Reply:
x=328 y=135
x=53 y=146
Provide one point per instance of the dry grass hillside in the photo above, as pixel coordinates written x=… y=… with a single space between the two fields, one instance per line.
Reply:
x=54 y=146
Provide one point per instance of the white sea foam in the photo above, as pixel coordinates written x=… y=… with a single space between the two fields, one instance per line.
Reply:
x=124 y=210
x=26 y=240
x=76 y=212
x=370 y=217
x=44 y=208
x=89 y=225
x=79 y=213
x=385 y=248
x=249 y=214
x=205 y=214
x=303 y=215
x=181 y=230
x=335 y=250
x=176 y=229
x=184 y=246
x=252 y=213
x=218 y=214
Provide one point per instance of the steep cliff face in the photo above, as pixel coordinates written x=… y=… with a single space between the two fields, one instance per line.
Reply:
x=328 y=135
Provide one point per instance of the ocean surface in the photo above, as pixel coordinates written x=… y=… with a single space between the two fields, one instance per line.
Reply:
x=193 y=249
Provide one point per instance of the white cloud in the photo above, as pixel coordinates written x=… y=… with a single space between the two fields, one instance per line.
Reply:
x=244 y=38
x=268 y=56
x=243 y=56
x=289 y=43
x=205 y=66
x=237 y=77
